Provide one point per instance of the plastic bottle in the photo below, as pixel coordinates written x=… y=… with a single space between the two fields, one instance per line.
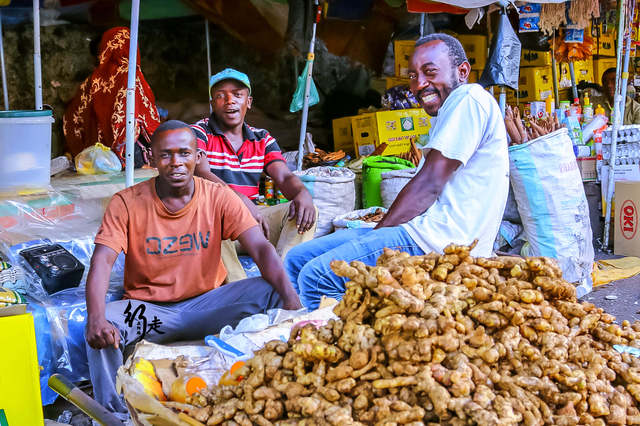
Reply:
x=599 y=110
x=186 y=386
x=269 y=192
x=550 y=104
x=564 y=107
x=587 y=111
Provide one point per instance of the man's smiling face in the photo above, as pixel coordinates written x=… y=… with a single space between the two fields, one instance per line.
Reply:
x=230 y=101
x=432 y=76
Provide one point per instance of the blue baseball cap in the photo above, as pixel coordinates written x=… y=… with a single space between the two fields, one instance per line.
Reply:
x=229 y=74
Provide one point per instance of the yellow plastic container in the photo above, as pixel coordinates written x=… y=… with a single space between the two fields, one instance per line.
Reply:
x=402 y=50
x=19 y=380
x=533 y=58
x=475 y=46
x=600 y=65
x=397 y=81
x=395 y=128
x=606 y=44
x=342 y=134
x=534 y=84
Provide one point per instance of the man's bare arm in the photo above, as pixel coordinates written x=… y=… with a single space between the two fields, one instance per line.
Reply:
x=100 y=333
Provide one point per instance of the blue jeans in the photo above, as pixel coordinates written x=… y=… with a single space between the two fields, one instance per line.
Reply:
x=308 y=264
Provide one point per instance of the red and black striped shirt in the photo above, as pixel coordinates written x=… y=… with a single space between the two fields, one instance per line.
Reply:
x=240 y=170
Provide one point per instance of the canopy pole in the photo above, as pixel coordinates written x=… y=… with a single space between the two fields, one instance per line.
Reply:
x=5 y=94
x=131 y=93
x=37 y=66
x=503 y=100
x=554 y=71
x=617 y=118
x=572 y=74
x=422 y=16
x=307 y=87
x=206 y=32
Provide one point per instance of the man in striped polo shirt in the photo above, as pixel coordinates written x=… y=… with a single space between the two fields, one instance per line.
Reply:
x=237 y=155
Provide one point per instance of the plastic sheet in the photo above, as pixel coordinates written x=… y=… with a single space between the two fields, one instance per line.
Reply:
x=59 y=319
x=503 y=67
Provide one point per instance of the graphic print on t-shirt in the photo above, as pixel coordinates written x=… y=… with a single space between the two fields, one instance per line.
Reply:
x=177 y=245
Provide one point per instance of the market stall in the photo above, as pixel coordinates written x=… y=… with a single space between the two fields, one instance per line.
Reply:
x=439 y=338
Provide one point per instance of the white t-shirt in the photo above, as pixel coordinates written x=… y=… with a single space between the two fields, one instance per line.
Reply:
x=469 y=128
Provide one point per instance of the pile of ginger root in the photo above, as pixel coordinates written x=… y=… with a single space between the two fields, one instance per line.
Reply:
x=442 y=339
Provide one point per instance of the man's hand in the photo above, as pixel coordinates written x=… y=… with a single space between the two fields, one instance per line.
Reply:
x=101 y=333
x=292 y=302
x=303 y=210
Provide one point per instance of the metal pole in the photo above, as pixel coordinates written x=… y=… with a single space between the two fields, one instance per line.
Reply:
x=624 y=77
x=37 y=66
x=614 y=131
x=503 y=100
x=206 y=31
x=2 y=67
x=422 y=16
x=307 y=88
x=554 y=71
x=572 y=74
x=131 y=93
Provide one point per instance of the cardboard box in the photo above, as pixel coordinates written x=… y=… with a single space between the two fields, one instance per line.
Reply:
x=20 y=402
x=342 y=134
x=600 y=65
x=623 y=173
x=397 y=81
x=534 y=84
x=475 y=46
x=626 y=236
x=587 y=167
x=395 y=128
x=402 y=51
x=533 y=58
x=583 y=72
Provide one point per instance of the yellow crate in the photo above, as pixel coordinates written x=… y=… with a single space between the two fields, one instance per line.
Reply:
x=397 y=81
x=534 y=84
x=19 y=380
x=402 y=51
x=395 y=128
x=600 y=65
x=475 y=46
x=583 y=72
x=342 y=134
x=533 y=58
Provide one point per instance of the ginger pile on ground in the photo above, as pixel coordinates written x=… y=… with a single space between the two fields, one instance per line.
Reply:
x=443 y=339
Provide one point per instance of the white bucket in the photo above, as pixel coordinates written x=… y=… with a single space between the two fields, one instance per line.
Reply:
x=25 y=150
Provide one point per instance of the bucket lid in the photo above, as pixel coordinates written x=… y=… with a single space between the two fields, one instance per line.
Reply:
x=26 y=113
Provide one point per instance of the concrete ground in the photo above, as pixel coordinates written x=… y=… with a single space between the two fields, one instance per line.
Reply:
x=619 y=298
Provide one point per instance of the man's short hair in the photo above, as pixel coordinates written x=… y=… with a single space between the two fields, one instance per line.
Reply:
x=608 y=71
x=456 y=51
x=171 y=125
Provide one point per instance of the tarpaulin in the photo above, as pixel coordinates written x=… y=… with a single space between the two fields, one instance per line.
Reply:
x=470 y=4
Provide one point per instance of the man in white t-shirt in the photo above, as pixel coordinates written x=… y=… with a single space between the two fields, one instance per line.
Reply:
x=458 y=193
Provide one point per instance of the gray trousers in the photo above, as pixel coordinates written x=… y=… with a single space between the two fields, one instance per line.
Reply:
x=190 y=319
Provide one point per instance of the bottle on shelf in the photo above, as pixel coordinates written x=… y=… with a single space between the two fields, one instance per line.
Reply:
x=550 y=105
x=587 y=111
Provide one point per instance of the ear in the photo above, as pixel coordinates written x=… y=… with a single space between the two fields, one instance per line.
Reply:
x=249 y=102
x=200 y=156
x=464 y=69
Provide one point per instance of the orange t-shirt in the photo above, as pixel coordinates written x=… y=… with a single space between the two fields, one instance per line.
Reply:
x=172 y=256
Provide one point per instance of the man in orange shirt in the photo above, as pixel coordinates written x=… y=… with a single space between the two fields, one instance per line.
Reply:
x=171 y=228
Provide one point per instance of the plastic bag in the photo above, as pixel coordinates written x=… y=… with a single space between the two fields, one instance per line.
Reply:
x=298 y=97
x=97 y=159
x=503 y=67
x=333 y=193
x=352 y=219
x=553 y=207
